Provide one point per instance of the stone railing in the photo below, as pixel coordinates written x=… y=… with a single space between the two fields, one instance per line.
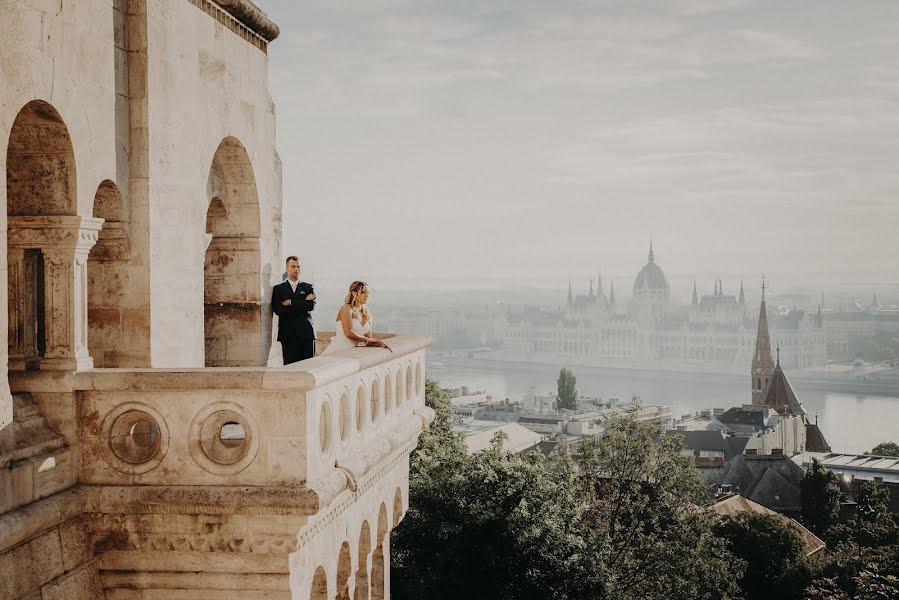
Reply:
x=242 y=17
x=320 y=424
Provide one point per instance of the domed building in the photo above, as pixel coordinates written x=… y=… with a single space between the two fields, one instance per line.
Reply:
x=652 y=296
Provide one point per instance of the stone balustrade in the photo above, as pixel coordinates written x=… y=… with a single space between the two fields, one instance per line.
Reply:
x=320 y=424
x=288 y=478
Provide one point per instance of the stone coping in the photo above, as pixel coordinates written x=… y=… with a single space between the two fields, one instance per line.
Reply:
x=303 y=376
x=252 y=17
x=21 y=524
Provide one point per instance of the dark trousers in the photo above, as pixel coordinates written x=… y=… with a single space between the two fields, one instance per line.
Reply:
x=297 y=350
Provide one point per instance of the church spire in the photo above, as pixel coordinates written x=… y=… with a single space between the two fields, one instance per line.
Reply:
x=652 y=256
x=601 y=295
x=742 y=299
x=695 y=295
x=612 y=296
x=762 y=365
x=570 y=297
x=591 y=288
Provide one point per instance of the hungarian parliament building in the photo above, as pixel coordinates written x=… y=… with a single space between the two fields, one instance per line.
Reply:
x=716 y=330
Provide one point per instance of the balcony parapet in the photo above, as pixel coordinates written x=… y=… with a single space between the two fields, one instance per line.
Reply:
x=320 y=425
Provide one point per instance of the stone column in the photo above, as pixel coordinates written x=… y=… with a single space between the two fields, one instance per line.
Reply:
x=64 y=243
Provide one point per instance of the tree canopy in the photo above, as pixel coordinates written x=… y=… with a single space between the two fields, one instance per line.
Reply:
x=819 y=498
x=567 y=390
x=885 y=449
x=614 y=523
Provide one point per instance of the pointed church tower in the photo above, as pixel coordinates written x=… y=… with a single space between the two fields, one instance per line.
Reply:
x=591 y=289
x=695 y=301
x=570 y=297
x=742 y=299
x=762 y=365
x=612 y=298
x=601 y=295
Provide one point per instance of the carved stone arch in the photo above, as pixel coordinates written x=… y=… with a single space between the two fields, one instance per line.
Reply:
x=236 y=330
x=362 y=578
x=344 y=570
x=383 y=525
x=109 y=264
x=319 y=585
x=397 y=507
x=40 y=164
x=48 y=245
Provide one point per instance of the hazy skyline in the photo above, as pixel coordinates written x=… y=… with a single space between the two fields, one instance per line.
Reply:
x=526 y=138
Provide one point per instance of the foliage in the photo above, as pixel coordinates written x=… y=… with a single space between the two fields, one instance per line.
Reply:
x=856 y=573
x=819 y=498
x=885 y=449
x=489 y=525
x=645 y=536
x=873 y=501
x=501 y=525
x=773 y=552
x=567 y=390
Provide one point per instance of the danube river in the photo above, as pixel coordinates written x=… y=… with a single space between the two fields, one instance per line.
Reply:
x=852 y=423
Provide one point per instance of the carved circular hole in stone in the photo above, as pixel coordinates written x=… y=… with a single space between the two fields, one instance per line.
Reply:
x=143 y=433
x=375 y=401
x=232 y=434
x=324 y=428
x=360 y=409
x=225 y=437
x=135 y=437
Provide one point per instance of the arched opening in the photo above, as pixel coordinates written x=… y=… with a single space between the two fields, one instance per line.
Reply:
x=377 y=574
x=397 y=507
x=319 y=585
x=232 y=270
x=109 y=271
x=362 y=591
x=344 y=568
x=48 y=245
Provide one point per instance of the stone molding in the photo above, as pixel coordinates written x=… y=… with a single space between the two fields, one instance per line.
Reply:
x=54 y=232
x=243 y=18
x=303 y=376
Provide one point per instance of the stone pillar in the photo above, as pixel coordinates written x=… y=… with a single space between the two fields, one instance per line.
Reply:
x=64 y=243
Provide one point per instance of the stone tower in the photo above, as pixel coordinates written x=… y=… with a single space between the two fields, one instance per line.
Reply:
x=762 y=365
x=149 y=445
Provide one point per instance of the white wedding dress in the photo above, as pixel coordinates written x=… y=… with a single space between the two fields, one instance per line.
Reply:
x=342 y=342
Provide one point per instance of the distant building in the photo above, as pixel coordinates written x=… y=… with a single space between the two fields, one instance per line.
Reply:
x=727 y=504
x=713 y=332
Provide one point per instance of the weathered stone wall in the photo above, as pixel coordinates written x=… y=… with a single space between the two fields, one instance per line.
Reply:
x=205 y=84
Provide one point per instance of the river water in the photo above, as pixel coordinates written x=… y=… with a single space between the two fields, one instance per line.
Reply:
x=852 y=423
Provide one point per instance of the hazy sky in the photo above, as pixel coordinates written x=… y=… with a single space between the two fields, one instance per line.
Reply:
x=550 y=138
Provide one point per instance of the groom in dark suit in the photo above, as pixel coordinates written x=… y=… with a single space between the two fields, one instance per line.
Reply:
x=293 y=301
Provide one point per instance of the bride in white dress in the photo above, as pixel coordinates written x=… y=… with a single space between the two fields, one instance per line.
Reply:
x=354 y=322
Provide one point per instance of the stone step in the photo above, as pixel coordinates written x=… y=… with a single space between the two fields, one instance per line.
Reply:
x=30 y=433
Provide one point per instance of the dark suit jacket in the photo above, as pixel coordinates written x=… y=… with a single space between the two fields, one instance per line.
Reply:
x=294 y=321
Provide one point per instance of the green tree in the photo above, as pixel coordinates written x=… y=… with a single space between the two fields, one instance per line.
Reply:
x=644 y=535
x=489 y=525
x=885 y=449
x=773 y=552
x=567 y=390
x=819 y=498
